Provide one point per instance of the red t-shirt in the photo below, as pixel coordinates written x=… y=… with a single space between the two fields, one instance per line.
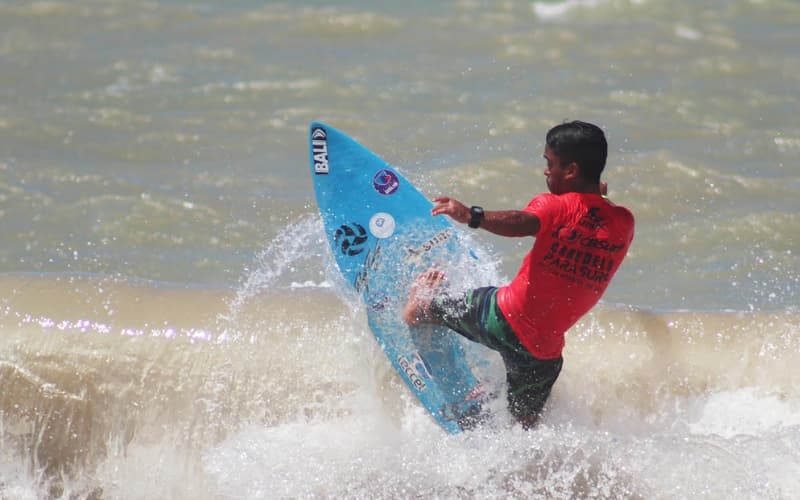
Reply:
x=580 y=245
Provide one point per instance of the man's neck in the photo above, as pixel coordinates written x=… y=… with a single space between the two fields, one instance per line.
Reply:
x=586 y=188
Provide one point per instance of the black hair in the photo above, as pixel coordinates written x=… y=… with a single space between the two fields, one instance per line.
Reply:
x=583 y=143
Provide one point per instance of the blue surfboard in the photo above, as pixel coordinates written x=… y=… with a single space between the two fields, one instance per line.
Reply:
x=382 y=236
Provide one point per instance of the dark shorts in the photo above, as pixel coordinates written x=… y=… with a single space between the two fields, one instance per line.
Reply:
x=476 y=316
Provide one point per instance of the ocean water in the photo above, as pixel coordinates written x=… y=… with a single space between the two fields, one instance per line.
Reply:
x=173 y=326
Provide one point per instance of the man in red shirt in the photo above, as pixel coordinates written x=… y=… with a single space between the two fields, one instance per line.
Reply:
x=581 y=239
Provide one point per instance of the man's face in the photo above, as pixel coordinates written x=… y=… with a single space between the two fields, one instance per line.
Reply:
x=555 y=172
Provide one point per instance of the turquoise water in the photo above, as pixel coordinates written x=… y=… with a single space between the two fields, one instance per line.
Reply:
x=167 y=284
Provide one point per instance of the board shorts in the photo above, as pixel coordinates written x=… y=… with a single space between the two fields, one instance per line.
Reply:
x=476 y=316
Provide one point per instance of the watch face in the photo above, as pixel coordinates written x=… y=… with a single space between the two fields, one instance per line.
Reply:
x=477 y=216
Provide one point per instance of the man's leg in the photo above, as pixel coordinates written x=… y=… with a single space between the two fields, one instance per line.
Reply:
x=530 y=381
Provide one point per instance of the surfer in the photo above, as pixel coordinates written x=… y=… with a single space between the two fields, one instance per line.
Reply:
x=581 y=239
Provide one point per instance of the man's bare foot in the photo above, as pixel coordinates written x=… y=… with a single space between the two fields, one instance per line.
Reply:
x=419 y=298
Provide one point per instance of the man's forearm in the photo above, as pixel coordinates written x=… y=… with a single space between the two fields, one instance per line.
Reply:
x=512 y=223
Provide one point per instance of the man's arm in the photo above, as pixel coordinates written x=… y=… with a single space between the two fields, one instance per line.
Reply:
x=500 y=222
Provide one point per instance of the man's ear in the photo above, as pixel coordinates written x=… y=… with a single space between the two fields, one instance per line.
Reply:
x=571 y=171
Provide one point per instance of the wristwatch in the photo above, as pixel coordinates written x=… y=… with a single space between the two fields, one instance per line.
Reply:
x=477 y=216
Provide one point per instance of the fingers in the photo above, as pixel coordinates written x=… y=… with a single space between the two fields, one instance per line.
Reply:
x=440 y=210
x=444 y=205
x=431 y=277
x=441 y=205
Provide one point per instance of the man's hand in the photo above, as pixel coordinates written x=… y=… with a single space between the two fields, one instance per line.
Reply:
x=444 y=205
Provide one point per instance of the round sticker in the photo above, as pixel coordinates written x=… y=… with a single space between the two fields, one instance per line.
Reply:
x=385 y=181
x=381 y=225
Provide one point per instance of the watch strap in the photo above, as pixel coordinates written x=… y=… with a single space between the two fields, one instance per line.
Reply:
x=476 y=218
